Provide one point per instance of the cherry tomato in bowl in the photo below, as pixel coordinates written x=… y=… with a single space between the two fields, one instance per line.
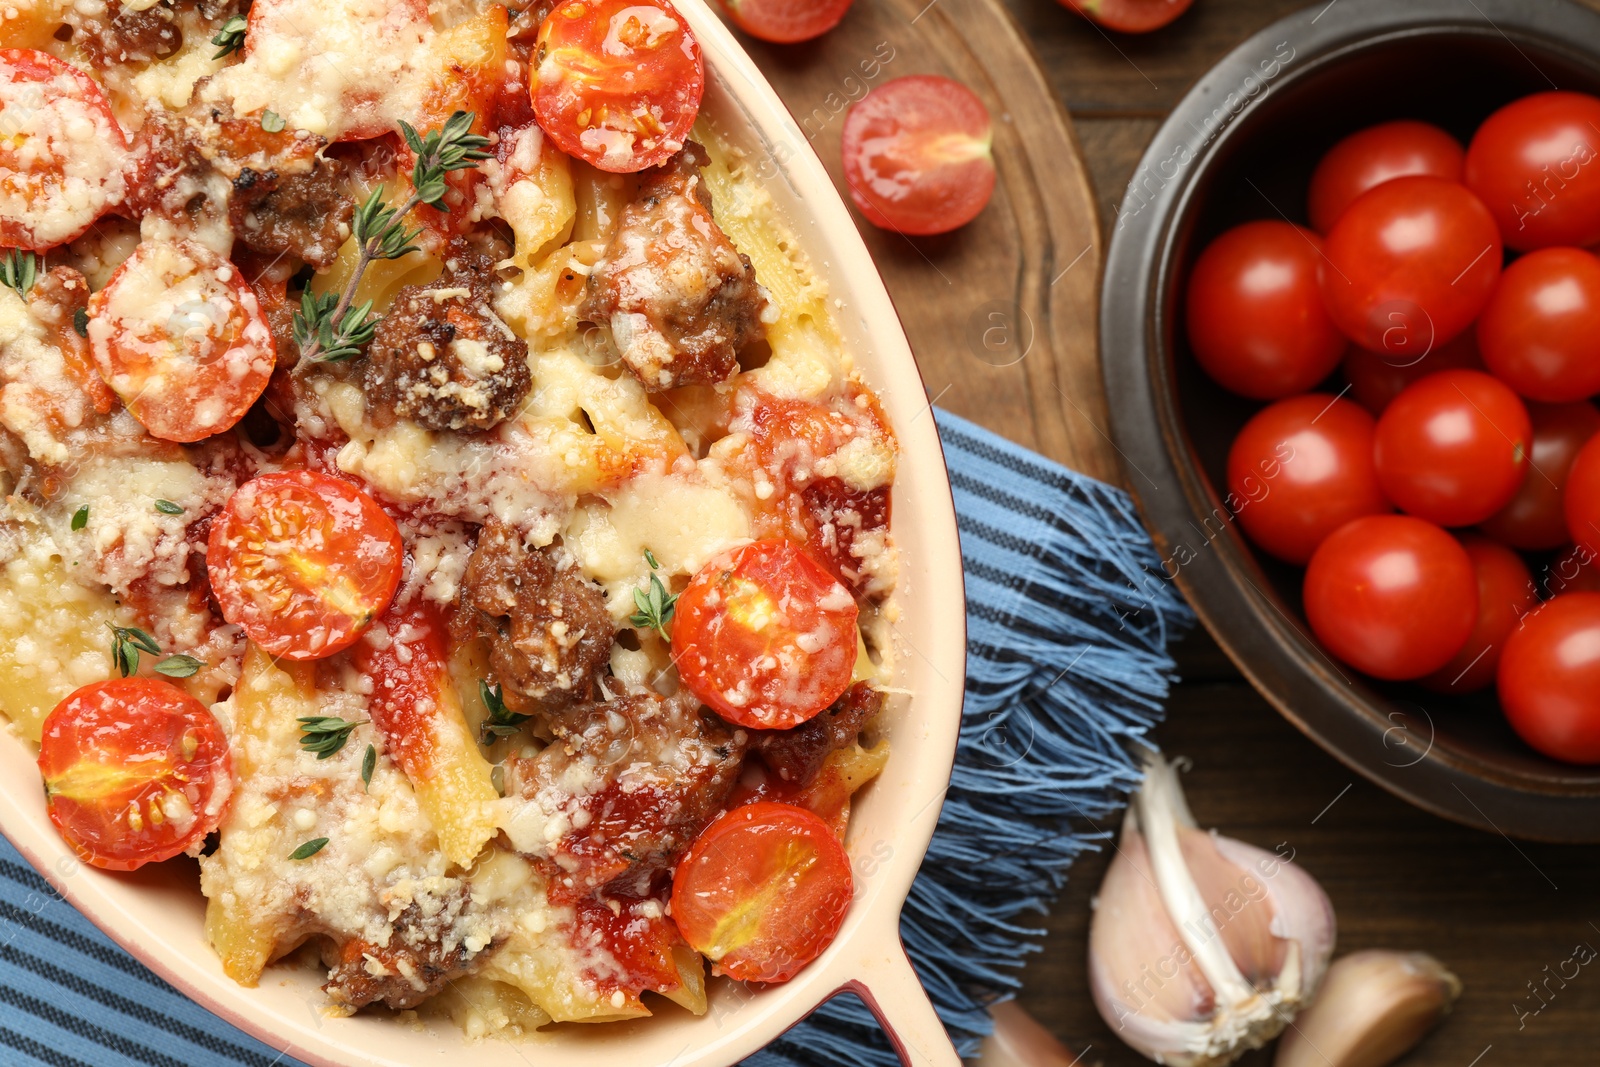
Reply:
x=1540 y=331
x=786 y=21
x=765 y=635
x=1129 y=16
x=762 y=891
x=303 y=562
x=1532 y=163
x=919 y=155
x=1377 y=154
x=1255 y=315
x=1549 y=678
x=1376 y=379
x=1391 y=595
x=1409 y=265
x=1505 y=594
x=135 y=771
x=1535 y=520
x=1580 y=499
x=1299 y=470
x=1453 y=447
x=617 y=83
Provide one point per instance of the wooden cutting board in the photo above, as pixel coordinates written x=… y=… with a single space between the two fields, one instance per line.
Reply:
x=1001 y=313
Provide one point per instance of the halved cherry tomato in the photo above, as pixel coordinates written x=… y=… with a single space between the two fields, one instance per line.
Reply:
x=763 y=891
x=618 y=81
x=1533 y=163
x=1538 y=332
x=135 y=771
x=1580 y=499
x=765 y=636
x=786 y=21
x=919 y=155
x=1409 y=265
x=1534 y=520
x=179 y=335
x=1376 y=379
x=1373 y=156
x=1299 y=470
x=1129 y=16
x=1255 y=316
x=1505 y=595
x=303 y=561
x=62 y=151
x=1453 y=448
x=1549 y=678
x=1392 y=596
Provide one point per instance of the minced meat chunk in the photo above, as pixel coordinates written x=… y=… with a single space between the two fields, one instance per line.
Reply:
x=547 y=626
x=631 y=783
x=117 y=33
x=679 y=298
x=444 y=359
x=305 y=214
x=415 y=964
x=796 y=755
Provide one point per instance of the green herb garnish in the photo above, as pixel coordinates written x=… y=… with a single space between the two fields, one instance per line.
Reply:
x=502 y=722
x=80 y=518
x=369 y=763
x=271 y=121
x=230 y=38
x=18 y=270
x=80 y=321
x=180 y=666
x=655 y=604
x=127 y=642
x=309 y=849
x=167 y=507
x=325 y=734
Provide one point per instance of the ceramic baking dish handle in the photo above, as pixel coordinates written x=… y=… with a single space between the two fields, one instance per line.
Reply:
x=887 y=983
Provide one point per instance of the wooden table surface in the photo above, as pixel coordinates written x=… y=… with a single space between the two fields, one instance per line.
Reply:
x=1505 y=915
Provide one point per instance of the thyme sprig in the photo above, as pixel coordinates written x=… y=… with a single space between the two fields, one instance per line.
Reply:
x=19 y=270
x=502 y=722
x=325 y=734
x=655 y=604
x=128 y=643
x=328 y=328
x=230 y=38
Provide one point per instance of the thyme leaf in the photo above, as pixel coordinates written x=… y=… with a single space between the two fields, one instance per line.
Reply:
x=309 y=849
x=18 y=270
x=325 y=734
x=502 y=722
x=230 y=38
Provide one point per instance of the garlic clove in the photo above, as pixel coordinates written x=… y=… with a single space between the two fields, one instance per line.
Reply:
x=1374 y=1007
x=1201 y=947
x=1019 y=1041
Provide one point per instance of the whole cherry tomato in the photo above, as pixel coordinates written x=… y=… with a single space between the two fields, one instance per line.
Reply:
x=1532 y=163
x=1376 y=379
x=135 y=771
x=1373 y=156
x=1129 y=16
x=1256 y=320
x=786 y=21
x=1573 y=571
x=1393 y=596
x=1540 y=331
x=762 y=891
x=1549 y=678
x=1299 y=470
x=1409 y=265
x=1534 y=520
x=1505 y=594
x=1581 y=498
x=1453 y=448
x=919 y=155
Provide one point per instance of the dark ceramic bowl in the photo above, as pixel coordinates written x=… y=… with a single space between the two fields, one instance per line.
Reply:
x=1240 y=146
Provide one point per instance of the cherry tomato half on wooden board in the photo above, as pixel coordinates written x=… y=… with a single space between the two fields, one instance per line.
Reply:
x=179 y=335
x=1535 y=165
x=135 y=771
x=1299 y=470
x=786 y=21
x=1549 y=678
x=1453 y=448
x=1129 y=16
x=1255 y=316
x=1376 y=379
x=1540 y=331
x=1535 y=520
x=1505 y=594
x=617 y=83
x=765 y=636
x=1409 y=265
x=919 y=155
x=303 y=561
x=1391 y=595
x=762 y=891
x=63 y=153
x=1372 y=156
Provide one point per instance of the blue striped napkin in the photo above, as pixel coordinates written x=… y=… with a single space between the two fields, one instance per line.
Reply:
x=1068 y=621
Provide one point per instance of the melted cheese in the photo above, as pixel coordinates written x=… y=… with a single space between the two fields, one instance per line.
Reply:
x=39 y=402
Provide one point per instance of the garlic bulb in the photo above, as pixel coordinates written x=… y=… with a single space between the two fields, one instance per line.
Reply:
x=1201 y=947
x=1373 y=1007
x=1019 y=1041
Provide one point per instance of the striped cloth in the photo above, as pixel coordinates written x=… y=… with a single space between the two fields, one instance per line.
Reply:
x=1068 y=623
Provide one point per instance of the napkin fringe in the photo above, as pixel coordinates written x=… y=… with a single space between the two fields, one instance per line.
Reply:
x=1068 y=621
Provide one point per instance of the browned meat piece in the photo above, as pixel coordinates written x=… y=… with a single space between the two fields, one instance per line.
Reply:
x=415 y=965
x=631 y=783
x=123 y=36
x=679 y=298
x=796 y=755
x=548 y=629
x=307 y=214
x=443 y=358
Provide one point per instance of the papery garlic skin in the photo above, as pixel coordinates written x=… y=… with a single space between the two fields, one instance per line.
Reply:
x=1201 y=947
x=1373 y=1008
